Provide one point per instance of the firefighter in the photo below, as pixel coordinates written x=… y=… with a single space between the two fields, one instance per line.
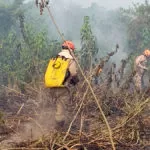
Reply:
x=70 y=79
x=67 y=52
x=140 y=67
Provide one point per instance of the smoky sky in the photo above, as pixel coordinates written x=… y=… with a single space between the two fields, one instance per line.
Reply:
x=108 y=4
x=106 y=26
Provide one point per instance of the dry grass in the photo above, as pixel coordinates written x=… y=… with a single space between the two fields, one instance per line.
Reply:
x=127 y=114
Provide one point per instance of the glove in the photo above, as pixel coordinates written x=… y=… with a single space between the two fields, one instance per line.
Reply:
x=74 y=80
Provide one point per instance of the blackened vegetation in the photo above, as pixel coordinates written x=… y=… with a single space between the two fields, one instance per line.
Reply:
x=127 y=113
x=42 y=4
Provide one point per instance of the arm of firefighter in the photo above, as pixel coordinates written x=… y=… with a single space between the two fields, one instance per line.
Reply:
x=141 y=66
x=73 y=72
x=140 y=62
x=73 y=68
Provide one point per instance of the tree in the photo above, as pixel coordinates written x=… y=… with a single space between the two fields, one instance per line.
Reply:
x=88 y=44
x=26 y=61
x=138 y=26
x=8 y=16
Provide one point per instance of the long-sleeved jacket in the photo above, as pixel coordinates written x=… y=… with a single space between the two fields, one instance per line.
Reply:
x=140 y=64
x=72 y=65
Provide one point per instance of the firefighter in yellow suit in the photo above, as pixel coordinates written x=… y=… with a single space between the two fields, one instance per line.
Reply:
x=140 y=69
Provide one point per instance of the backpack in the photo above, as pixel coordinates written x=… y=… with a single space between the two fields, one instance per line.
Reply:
x=56 y=72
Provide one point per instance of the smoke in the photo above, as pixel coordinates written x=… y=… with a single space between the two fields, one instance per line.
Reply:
x=45 y=113
x=112 y=4
x=105 y=23
x=39 y=126
x=41 y=121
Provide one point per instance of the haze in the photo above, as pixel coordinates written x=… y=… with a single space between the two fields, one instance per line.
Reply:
x=111 y=4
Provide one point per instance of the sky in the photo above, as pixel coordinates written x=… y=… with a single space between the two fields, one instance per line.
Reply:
x=108 y=4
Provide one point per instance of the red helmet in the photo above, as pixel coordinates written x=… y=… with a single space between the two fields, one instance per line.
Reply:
x=69 y=44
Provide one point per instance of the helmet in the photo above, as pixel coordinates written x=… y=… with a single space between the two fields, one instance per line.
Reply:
x=69 y=45
x=147 y=53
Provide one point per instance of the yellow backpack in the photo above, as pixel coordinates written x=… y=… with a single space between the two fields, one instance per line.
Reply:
x=56 y=72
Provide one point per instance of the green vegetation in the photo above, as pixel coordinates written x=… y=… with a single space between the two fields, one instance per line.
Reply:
x=27 y=45
x=88 y=44
x=138 y=22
